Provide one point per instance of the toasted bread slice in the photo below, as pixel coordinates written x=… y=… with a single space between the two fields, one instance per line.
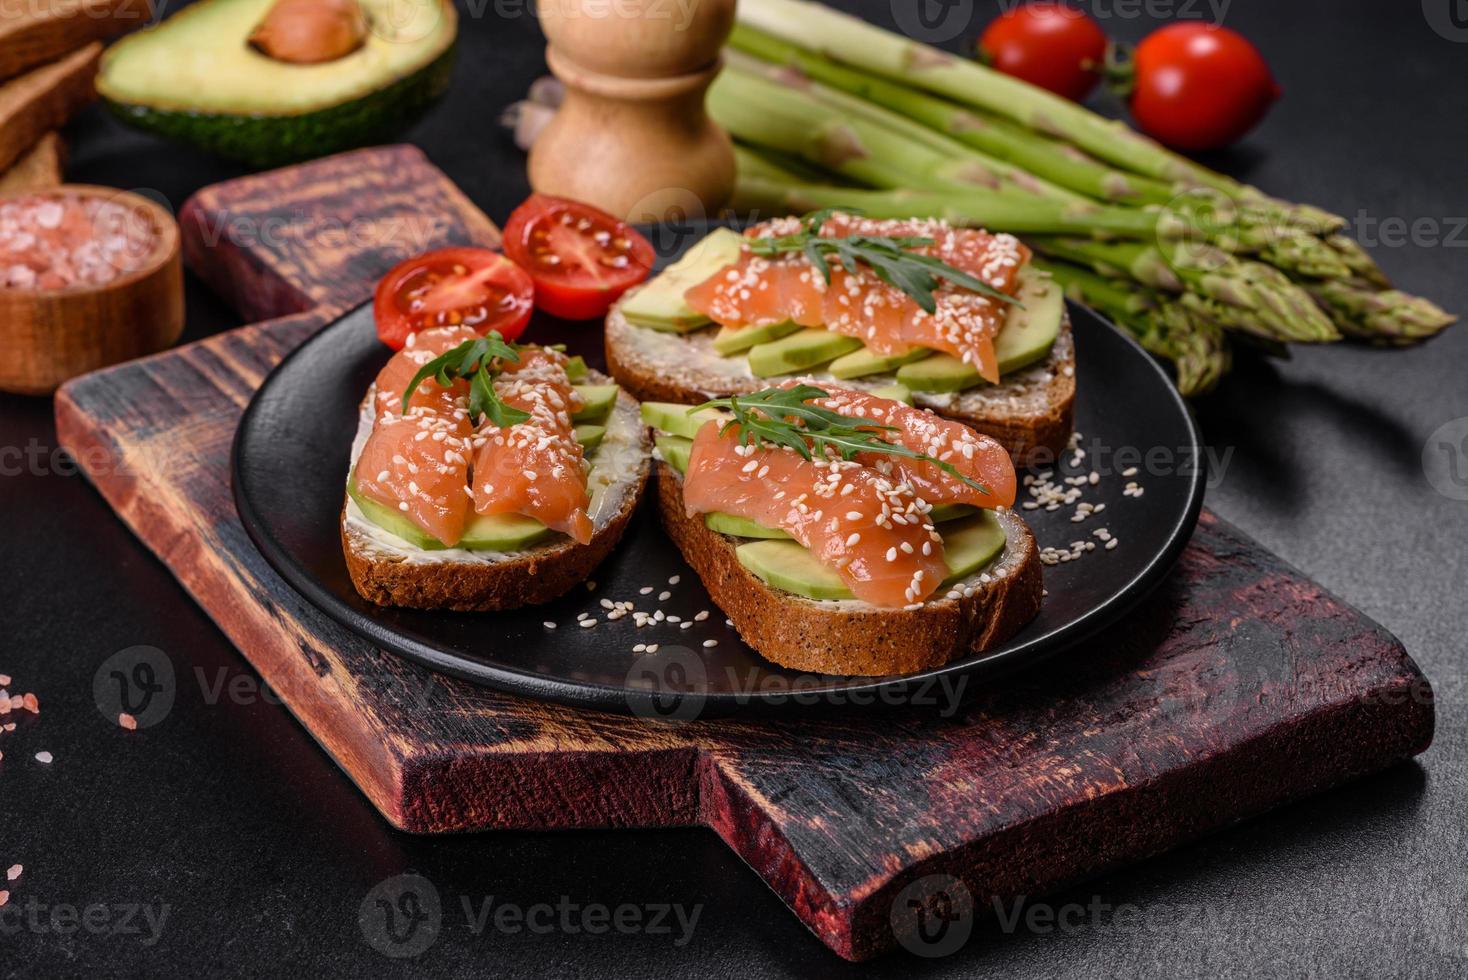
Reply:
x=1032 y=409
x=391 y=572
x=851 y=637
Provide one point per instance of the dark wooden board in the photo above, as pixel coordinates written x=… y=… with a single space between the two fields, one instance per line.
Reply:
x=1237 y=686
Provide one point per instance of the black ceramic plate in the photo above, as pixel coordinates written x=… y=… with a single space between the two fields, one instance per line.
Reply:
x=290 y=463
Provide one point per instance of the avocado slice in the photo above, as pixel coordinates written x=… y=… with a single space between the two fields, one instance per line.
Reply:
x=736 y=340
x=742 y=527
x=678 y=420
x=674 y=451
x=194 y=78
x=860 y=363
x=659 y=305
x=589 y=435
x=576 y=368
x=798 y=352
x=392 y=521
x=1029 y=333
x=503 y=532
x=939 y=373
x=597 y=401
x=968 y=546
x=484 y=532
x=897 y=392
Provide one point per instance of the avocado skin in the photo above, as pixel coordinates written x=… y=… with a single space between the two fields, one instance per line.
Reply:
x=273 y=141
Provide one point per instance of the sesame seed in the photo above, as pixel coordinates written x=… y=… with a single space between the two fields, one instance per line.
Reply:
x=44 y=758
x=548 y=625
x=664 y=596
x=645 y=590
x=674 y=580
x=710 y=643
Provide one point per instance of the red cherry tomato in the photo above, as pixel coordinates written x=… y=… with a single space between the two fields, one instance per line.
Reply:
x=449 y=287
x=1047 y=44
x=581 y=258
x=1199 y=87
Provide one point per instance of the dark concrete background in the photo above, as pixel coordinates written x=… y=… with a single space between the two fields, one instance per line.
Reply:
x=229 y=814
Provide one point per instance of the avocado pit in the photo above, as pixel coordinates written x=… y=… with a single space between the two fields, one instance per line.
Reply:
x=308 y=32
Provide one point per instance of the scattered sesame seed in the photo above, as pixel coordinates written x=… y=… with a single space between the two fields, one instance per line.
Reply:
x=710 y=643
x=44 y=758
x=127 y=721
x=548 y=625
x=664 y=596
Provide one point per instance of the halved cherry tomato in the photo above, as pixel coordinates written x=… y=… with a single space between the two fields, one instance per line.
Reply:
x=1047 y=44
x=452 y=286
x=581 y=258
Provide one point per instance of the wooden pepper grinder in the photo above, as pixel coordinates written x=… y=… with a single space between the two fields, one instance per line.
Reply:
x=632 y=136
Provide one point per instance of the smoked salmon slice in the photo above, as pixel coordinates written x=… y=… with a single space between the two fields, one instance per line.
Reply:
x=757 y=291
x=535 y=468
x=872 y=531
x=978 y=457
x=417 y=463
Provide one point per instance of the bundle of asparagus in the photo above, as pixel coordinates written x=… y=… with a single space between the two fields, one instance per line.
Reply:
x=830 y=111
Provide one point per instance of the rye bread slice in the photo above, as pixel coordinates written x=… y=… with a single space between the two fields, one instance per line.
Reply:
x=851 y=637
x=407 y=577
x=1031 y=413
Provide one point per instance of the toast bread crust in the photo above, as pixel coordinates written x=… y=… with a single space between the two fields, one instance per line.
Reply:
x=853 y=638
x=1031 y=414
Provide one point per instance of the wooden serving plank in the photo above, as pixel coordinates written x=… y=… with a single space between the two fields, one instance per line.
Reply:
x=44 y=99
x=39 y=168
x=37 y=31
x=1239 y=685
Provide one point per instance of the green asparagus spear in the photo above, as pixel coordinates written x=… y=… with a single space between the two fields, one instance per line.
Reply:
x=1195 y=345
x=1384 y=316
x=1045 y=158
x=1241 y=294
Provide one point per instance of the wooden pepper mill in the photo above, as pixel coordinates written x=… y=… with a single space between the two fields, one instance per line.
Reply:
x=632 y=136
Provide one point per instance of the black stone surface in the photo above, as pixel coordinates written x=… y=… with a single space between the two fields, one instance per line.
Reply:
x=227 y=813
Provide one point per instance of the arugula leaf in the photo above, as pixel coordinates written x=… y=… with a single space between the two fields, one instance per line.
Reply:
x=476 y=360
x=785 y=417
x=892 y=259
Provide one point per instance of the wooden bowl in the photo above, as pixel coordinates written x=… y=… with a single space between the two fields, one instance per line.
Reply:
x=50 y=335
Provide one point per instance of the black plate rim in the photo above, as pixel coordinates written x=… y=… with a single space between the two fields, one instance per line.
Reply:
x=627 y=700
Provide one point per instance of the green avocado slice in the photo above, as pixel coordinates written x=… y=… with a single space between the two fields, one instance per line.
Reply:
x=597 y=401
x=799 y=352
x=736 y=340
x=678 y=420
x=968 y=545
x=659 y=305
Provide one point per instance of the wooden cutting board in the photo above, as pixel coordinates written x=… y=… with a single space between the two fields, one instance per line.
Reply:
x=1238 y=686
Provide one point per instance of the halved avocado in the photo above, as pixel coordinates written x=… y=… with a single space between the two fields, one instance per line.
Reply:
x=195 y=78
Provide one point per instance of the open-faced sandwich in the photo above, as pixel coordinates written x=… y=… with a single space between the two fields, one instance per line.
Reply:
x=956 y=315
x=487 y=475
x=846 y=532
